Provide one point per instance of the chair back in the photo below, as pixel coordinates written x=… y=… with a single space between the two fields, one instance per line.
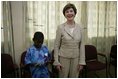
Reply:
x=90 y=52
x=54 y=73
x=113 y=52
x=7 y=65
x=22 y=62
x=52 y=56
x=25 y=71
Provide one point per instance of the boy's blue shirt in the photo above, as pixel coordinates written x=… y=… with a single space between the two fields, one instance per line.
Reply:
x=38 y=56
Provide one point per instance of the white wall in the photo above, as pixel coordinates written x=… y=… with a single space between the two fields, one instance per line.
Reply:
x=17 y=19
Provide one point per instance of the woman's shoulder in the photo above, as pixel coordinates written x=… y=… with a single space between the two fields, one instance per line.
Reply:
x=79 y=26
x=61 y=25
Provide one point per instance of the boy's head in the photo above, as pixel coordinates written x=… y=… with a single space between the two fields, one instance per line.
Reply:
x=38 y=39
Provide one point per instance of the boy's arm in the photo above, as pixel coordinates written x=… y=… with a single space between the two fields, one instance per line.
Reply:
x=28 y=59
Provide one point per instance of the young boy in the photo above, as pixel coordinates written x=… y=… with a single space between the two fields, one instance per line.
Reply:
x=37 y=57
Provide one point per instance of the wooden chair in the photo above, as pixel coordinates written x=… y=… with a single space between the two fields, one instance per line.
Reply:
x=113 y=60
x=8 y=68
x=92 y=62
x=54 y=73
x=25 y=72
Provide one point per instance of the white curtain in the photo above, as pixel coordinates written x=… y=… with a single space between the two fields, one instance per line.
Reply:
x=45 y=17
x=41 y=17
x=7 y=42
x=102 y=24
x=98 y=18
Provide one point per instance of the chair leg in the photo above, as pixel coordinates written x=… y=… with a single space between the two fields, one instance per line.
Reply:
x=96 y=75
x=115 y=69
x=115 y=72
x=109 y=68
x=109 y=71
x=82 y=75
x=106 y=71
x=85 y=73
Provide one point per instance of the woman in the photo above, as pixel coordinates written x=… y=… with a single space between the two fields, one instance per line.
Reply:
x=69 y=50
